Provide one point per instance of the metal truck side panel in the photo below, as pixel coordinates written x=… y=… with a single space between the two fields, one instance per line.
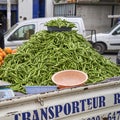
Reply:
x=93 y=102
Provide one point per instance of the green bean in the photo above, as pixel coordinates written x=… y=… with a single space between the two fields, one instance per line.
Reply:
x=49 y=52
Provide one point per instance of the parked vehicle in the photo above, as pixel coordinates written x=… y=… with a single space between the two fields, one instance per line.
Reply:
x=21 y=32
x=99 y=101
x=109 y=41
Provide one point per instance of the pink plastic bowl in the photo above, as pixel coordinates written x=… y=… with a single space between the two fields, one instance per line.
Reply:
x=69 y=78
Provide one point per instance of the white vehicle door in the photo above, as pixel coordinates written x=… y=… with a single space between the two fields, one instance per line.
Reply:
x=20 y=35
x=114 y=39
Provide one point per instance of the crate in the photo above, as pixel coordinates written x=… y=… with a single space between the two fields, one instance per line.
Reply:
x=39 y=89
x=57 y=29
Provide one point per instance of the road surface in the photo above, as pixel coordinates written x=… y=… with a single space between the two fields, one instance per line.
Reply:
x=111 y=56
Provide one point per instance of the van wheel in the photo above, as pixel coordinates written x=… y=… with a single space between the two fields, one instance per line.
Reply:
x=99 y=47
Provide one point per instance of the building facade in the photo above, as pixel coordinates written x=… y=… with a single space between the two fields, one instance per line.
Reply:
x=35 y=9
x=25 y=9
x=94 y=12
x=13 y=13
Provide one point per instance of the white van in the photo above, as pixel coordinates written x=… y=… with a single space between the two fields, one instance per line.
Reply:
x=108 y=41
x=21 y=31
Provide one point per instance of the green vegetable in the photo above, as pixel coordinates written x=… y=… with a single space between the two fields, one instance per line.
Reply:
x=48 y=52
x=60 y=23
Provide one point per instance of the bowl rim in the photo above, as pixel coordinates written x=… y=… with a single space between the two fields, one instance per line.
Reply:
x=68 y=71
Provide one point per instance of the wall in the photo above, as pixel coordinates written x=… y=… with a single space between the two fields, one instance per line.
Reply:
x=95 y=17
x=116 y=12
x=24 y=9
x=49 y=8
x=64 y=10
x=10 y=16
x=5 y=1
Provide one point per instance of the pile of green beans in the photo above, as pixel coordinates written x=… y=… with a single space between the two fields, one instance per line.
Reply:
x=60 y=23
x=48 y=52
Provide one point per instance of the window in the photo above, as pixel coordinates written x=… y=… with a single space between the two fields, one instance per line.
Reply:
x=117 y=32
x=23 y=33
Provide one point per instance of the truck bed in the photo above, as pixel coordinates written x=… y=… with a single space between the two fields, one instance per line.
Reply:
x=99 y=101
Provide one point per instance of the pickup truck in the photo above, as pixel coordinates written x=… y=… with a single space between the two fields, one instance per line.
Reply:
x=109 y=41
x=99 y=101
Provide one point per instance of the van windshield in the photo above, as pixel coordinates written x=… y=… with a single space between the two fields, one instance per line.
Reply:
x=8 y=31
x=112 y=28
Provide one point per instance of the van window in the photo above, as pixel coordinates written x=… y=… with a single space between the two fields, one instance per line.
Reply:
x=23 y=33
x=10 y=30
x=117 y=31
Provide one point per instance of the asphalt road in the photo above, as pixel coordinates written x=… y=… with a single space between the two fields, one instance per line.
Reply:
x=111 y=56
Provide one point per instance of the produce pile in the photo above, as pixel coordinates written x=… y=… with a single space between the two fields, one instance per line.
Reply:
x=48 y=52
x=60 y=23
x=4 y=52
